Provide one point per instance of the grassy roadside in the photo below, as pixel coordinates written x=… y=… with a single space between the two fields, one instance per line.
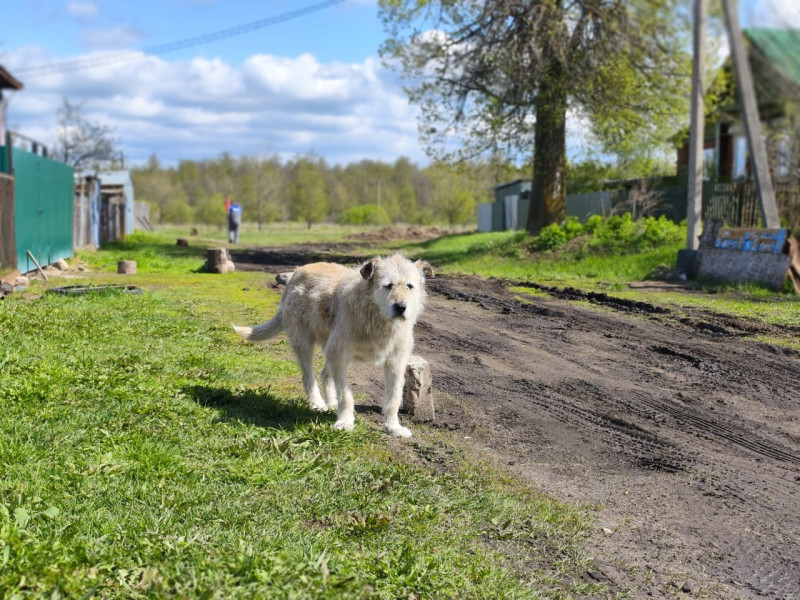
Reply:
x=149 y=453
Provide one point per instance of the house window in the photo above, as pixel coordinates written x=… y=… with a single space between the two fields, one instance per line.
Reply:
x=739 y=170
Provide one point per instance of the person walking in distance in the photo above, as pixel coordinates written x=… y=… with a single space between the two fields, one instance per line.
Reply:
x=234 y=222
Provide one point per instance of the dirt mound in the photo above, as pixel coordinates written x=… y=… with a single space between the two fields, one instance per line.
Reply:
x=387 y=234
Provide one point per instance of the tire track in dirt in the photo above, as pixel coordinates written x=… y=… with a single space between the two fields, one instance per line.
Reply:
x=685 y=400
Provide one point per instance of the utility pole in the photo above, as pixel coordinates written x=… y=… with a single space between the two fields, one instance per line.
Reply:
x=697 y=128
x=752 y=122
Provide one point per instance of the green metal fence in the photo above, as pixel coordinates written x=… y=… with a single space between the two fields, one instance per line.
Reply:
x=43 y=207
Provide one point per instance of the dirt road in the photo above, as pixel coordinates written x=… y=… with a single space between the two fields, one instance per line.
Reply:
x=682 y=436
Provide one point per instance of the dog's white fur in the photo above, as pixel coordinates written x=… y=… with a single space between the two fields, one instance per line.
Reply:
x=364 y=314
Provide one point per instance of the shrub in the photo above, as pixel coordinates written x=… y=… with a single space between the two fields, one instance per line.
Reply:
x=573 y=227
x=366 y=214
x=620 y=233
x=550 y=237
x=593 y=223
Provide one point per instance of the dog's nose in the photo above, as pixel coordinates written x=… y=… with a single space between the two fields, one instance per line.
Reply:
x=399 y=308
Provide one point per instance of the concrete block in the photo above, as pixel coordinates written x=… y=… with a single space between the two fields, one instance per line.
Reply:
x=126 y=267
x=739 y=266
x=417 y=393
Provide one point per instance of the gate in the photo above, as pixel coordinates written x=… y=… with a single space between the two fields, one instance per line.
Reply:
x=43 y=209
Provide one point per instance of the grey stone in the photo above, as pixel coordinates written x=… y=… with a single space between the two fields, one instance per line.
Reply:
x=417 y=393
x=126 y=267
x=738 y=266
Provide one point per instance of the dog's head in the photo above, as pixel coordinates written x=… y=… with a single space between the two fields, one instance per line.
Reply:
x=397 y=286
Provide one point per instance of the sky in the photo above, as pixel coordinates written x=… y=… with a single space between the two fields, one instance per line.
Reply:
x=301 y=83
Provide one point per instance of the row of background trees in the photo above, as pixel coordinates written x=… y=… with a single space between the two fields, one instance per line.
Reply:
x=308 y=189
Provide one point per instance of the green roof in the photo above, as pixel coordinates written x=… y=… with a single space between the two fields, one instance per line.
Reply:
x=781 y=47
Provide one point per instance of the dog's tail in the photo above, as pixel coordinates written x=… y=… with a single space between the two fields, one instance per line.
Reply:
x=262 y=332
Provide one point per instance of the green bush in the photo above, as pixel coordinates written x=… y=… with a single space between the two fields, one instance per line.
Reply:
x=593 y=223
x=366 y=214
x=550 y=237
x=573 y=227
x=620 y=233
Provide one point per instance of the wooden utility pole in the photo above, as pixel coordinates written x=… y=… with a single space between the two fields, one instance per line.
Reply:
x=752 y=122
x=697 y=128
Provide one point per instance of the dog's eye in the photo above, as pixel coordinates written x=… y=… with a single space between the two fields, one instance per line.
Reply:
x=389 y=286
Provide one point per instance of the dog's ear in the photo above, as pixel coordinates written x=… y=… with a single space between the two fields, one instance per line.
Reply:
x=423 y=266
x=368 y=268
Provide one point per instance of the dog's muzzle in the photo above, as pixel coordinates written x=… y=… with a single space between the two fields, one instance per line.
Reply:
x=399 y=309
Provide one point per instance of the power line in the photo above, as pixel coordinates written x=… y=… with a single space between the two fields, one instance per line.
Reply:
x=118 y=57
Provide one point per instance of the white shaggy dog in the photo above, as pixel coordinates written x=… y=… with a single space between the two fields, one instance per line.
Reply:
x=365 y=314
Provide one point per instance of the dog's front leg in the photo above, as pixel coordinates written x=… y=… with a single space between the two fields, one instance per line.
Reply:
x=394 y=375
x=330 y=388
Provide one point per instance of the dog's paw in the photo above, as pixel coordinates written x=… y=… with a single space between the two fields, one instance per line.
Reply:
x=397 y=431
x=345 y=425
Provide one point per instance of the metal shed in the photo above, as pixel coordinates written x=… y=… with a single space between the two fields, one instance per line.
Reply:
x=116 y=188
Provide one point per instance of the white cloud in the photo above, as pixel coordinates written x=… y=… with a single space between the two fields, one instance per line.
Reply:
x=82 y=10
x=197 y=109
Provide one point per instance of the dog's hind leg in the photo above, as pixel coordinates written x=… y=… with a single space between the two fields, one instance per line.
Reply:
x=304 y=351
x=329 y=386
x=394 y=379
x=345 y=417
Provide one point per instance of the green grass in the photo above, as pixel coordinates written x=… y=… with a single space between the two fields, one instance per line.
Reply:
x=148 y=453
x=271 y=234
x=505 y=255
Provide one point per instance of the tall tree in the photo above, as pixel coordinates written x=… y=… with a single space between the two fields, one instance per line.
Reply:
x=307 y=194
x=82 y=143
x=501 y=75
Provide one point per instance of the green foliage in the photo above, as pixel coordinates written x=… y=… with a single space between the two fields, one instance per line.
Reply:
x=589 y=176
x=502 y=75
x=593 y=223
x=367 y=214
x=307 y=193
x=620 y=233
x=573 y=227
x=617 y=234
x=270 y=190
x=550 y=237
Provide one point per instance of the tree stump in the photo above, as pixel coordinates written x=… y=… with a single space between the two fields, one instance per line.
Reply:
x=217 y=260
x=126 y=267
x=417 y=393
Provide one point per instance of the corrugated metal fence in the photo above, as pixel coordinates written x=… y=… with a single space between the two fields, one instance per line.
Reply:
x=43 y=207
x=735 y=203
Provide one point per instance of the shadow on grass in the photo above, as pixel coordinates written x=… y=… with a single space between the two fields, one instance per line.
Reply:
x=256 y=407
x=159 y=248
